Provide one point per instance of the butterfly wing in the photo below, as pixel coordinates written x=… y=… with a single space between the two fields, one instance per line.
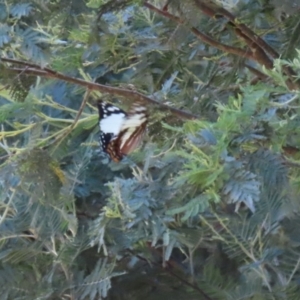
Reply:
x=121 y=133
x=111 y=119
x=132 y=131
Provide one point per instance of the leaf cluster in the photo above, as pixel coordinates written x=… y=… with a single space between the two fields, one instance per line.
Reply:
x=206 y=208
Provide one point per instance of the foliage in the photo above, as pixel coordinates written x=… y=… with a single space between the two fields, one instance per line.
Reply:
x=208 y=207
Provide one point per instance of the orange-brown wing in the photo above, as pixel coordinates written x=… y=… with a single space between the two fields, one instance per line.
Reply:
x=131 y=133
x=113 y=151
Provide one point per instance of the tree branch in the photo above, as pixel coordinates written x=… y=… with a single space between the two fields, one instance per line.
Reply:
x=260 y=49
x=32 y=69
x=246 y=53
x=213 y=11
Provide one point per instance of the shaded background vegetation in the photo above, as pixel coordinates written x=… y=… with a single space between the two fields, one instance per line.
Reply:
x=208 y=208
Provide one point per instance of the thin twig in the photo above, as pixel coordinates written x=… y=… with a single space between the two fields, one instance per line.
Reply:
x=296 y=268
x=173 y=274
x=14 y=236
x=165 y=152
x=7 y=206
x=127 y=93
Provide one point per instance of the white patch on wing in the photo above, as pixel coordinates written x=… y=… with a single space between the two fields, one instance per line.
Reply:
x=112 y=108
x=134 y=121
x=112 y=124
x=140 y=109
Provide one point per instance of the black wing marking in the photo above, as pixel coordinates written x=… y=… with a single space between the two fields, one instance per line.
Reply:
x=110 y=121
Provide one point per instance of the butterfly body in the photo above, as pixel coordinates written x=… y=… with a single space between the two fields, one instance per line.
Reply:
x=121 y=132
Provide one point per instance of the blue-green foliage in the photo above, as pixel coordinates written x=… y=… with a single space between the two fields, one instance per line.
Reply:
x=205 y=209
x=21 y=10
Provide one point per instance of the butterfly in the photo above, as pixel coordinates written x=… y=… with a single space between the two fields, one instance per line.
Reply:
x=121 y=132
